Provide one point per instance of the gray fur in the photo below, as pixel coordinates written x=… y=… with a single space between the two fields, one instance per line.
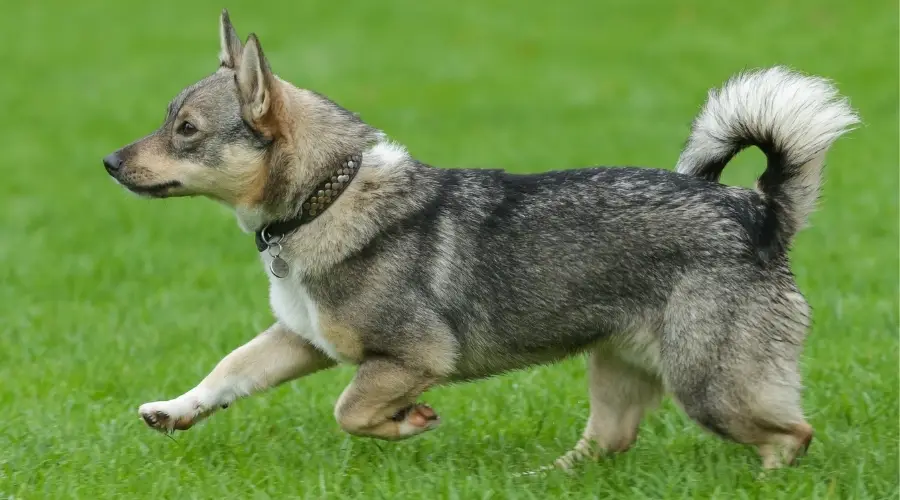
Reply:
x=672 y=281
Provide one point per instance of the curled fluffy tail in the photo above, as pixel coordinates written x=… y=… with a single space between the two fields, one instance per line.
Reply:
x=792 y=118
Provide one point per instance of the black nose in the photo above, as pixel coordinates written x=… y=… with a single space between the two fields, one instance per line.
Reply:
x=112 y=162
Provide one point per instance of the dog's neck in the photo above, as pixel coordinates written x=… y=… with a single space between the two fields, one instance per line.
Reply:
x=388 y=187
x=382 y=154
x=322 y=196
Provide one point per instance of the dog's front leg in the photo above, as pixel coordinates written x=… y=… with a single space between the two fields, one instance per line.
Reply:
x=274 y=356
x=381 y=401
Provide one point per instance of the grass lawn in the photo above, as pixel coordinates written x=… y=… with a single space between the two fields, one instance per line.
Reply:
x=107 y=301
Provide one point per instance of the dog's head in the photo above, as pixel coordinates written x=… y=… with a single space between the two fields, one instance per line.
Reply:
x=241 y=136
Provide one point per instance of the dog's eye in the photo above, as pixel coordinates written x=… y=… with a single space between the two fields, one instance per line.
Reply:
x=187 y=129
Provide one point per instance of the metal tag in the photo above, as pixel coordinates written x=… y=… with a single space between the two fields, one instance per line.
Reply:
x=279 y=267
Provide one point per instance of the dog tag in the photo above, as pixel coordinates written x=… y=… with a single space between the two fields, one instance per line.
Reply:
x=279 y=267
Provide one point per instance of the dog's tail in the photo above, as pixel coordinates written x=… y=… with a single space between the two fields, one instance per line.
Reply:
x=792 y=118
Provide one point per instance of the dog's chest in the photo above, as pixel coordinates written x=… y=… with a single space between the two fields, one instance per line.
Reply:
x=297 y=310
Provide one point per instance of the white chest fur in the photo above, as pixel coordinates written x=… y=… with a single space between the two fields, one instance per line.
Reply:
x=296 y=310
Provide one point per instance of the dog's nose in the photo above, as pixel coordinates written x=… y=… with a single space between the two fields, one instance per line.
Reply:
x=112 y=162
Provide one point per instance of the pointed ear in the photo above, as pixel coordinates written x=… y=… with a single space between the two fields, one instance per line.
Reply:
x=255 y=83
x=230 y=51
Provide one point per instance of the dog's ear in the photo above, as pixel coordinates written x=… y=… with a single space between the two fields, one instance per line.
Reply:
x=255 y=83
x=230 y=51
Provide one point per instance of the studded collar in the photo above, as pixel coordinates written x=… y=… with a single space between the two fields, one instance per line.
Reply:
x=322 y=197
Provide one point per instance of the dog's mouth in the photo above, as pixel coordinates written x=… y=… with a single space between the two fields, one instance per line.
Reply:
x=162 y=190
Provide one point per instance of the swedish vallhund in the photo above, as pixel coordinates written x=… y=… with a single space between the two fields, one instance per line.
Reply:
x=670 y=282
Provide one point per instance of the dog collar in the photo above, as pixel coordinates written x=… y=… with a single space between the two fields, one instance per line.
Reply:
x=323 y=196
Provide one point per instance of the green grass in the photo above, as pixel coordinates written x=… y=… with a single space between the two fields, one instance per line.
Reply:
x=107 y=301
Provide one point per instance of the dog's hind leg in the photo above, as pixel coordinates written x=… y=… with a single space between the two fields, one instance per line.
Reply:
x=738 y=376
x=381 y=401
x=764 y=412
x=274 y=356
x=620 y=393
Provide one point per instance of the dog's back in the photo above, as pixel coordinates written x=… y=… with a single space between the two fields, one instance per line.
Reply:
x=528 y=267
x=524 y=268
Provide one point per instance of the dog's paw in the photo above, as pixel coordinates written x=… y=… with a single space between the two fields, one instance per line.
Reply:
x=168 y=416
x=416 y=419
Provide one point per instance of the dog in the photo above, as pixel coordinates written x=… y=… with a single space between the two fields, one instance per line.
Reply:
x=669 y=281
